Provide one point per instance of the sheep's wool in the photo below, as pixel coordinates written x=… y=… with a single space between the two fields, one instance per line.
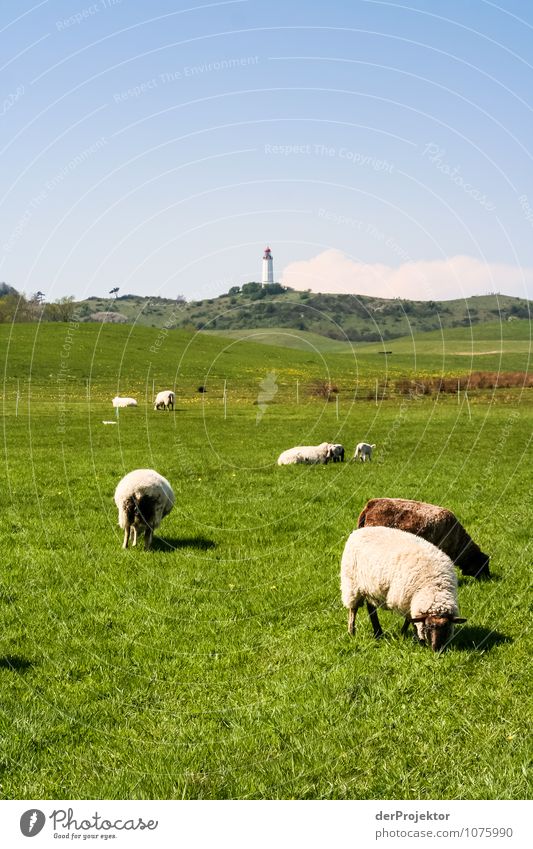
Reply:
x=398 y=570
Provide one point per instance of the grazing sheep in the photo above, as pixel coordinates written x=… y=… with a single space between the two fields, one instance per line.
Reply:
x=363 y=451
x=310 y=454
x=402 y=572
x=124 y=402
x=337 y=453
x=436 y=524
x=164 y=400
x=143 y=498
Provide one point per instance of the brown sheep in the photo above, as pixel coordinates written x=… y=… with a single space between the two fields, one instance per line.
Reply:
x=435 y=524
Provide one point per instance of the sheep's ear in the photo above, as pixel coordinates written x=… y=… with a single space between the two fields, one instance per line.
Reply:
x=458 y=619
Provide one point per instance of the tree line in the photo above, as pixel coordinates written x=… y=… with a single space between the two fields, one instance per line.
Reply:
x=15 y=306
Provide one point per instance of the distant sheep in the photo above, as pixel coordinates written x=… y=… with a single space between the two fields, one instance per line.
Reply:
x=143 y=498
x=363 y=451
x=337 y=453
x=164 y=400
x=124 y=402
x=399 y=571
x=436 y=524
x=311 y=454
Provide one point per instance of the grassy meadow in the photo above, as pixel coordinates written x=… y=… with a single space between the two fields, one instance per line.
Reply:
x=218 y=664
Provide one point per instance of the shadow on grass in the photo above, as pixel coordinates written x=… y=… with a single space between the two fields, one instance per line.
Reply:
x=464 y=580
x=477 y=637
x=15 y=662
x=174 y=543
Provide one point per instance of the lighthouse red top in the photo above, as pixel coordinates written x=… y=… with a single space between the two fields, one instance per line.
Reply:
x=267 y=253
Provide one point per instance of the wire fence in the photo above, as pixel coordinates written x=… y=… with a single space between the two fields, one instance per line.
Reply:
x=18 y=392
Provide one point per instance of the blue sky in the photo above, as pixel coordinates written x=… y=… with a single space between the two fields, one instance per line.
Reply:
x=378 y=147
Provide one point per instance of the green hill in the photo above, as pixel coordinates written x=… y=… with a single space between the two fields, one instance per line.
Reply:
x=343 y=318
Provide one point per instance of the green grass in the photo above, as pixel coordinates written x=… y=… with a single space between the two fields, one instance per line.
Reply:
x=218 y=665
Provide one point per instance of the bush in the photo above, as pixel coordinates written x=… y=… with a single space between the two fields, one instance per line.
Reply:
x=324 y=389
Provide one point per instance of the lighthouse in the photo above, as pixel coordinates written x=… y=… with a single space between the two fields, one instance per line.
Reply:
x=268 y=268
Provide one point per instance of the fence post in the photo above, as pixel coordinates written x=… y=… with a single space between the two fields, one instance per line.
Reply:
x=458 y=391
x=376 y=392
x=468 y=405
x=297 y=391
x=225 y=400
x=337 y=405
x=18 y=398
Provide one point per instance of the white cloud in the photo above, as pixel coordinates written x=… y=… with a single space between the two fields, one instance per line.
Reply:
x=456 y=277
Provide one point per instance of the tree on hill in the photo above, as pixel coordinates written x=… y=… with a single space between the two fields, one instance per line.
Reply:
x=61 y=310
x=6 y=289
x=14 y=307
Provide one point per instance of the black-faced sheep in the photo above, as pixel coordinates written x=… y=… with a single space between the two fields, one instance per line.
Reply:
x=436 y=524
x=337 y=453
x=399 y=571
x=143 y=498
x=164 y=400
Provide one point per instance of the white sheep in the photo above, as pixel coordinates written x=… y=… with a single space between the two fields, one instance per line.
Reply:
x=124 y=402
x=164 y=400
x=311 y=454
x=364 y=451
x=400 y=571
x=143 y=498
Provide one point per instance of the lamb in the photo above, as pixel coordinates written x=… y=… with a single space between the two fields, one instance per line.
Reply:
x=143 y=498
x=402 y=572
x=436 y=524
x=337 y=453
x=363 y=451
x=124 y=402
x=164 y=400
x=311 y=454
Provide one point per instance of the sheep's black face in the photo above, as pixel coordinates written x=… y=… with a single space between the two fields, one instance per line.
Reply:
x=437 y=631
x=476 y=565
x=481 y=566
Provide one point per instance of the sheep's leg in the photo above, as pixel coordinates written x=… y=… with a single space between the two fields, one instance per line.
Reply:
x=373 y=613
x=148 y=535
x=352 y=612
x=405 y=626
x=126 y=536
x=134 y=534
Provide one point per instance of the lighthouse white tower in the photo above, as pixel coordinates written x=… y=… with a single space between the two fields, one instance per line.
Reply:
x=268 y=267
